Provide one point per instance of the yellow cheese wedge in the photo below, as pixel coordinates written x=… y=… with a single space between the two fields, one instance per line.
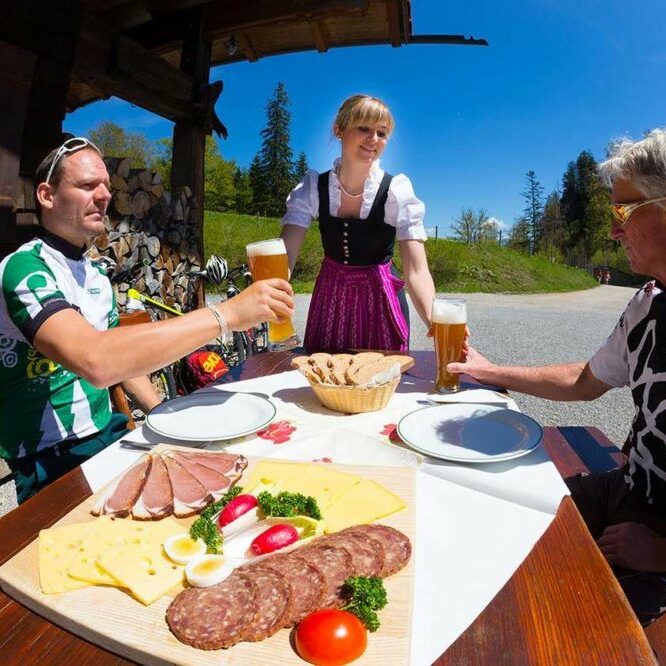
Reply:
x=322 y=483
x=142 y=568
x=363 y=503
x=271 y=471
x=57 y=548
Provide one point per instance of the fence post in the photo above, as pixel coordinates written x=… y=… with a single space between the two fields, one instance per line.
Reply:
x=436 y=231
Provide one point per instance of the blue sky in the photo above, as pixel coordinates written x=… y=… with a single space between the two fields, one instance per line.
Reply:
x=559 y=76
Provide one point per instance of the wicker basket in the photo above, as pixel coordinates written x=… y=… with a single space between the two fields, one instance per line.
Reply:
x=355 y=399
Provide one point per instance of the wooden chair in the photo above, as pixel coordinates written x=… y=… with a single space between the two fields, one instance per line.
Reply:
x=118 y=397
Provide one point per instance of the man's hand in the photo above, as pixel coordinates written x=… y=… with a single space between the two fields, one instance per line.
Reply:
x=633 y=546
x=266 y=300
x=475 y=365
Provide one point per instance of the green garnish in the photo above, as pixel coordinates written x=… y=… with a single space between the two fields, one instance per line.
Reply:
x=288 y=504
x=204 y=527
x=365 y=596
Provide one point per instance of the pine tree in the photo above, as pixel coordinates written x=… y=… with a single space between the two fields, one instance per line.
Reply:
x=219 y=190
x=301 y=166
x=553 y=230
x=244 y=194
x=275 y=156
x=533 y=195
x=258 y=185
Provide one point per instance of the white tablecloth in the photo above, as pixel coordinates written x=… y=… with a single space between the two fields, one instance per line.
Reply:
x=474 y=524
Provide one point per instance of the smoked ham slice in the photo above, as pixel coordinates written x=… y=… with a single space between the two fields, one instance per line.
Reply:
x=156 y=500
x=229 y=464
x=119 y=499
x=189 y=495
x=215 y=483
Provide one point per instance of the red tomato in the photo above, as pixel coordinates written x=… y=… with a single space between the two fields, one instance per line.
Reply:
x=274 y=538
x=331 y=638
x=236 y=508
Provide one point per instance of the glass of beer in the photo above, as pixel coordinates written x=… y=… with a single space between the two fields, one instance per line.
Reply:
x=268 y=259
x=449 y=320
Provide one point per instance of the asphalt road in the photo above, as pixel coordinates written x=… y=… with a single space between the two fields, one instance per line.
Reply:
x=524 y=330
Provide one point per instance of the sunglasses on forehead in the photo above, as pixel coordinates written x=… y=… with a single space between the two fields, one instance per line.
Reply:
x=70 y=146
x=622 y=212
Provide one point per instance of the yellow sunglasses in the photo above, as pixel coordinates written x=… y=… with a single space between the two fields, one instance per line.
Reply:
x=622 y=212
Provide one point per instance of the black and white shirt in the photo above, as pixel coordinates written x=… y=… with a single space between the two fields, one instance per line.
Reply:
x=635 y=355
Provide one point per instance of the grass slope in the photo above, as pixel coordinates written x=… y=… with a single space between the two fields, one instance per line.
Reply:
x=455 y=267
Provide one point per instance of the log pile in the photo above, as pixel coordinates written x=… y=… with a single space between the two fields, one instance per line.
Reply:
x=149 y=230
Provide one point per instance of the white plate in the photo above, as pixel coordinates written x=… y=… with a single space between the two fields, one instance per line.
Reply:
x=470 y=433
x=211 y=415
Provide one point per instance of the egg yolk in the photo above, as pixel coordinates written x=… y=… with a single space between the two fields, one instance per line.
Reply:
x=186 y=547
x=207 y=566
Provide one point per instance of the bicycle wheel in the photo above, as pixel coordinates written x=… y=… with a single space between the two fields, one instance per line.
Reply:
x=164 y=382
x=241 y=349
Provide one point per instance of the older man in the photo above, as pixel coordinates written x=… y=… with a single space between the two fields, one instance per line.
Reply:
x=60 y=346
x=625 y=509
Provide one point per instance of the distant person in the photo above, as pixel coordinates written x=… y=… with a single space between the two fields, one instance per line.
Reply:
x=60 y=345
x=358 y=299
x=606 y=277
x=625 y=509
x=599 y=276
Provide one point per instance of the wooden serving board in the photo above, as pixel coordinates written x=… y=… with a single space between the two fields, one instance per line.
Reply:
x=113 y=619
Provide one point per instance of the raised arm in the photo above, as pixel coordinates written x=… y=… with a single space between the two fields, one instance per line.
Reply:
x=567 y=382
x=417 y=276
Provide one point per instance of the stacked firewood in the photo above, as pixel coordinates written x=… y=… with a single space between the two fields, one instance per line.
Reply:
x=149 y=230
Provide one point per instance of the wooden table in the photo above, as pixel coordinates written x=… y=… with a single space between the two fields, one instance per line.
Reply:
x=563 y=605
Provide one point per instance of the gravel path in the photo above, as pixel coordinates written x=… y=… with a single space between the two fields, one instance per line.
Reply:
x=527 y=330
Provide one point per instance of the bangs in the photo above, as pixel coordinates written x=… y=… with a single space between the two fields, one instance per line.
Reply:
x=371 y=111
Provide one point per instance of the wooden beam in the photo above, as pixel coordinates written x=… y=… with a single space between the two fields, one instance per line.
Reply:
x=393 y=16
x=246 y=46
x=319 y=35
x=119 y=66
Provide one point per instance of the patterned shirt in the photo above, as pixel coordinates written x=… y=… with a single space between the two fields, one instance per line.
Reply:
x=635 y=355
x=41 y=402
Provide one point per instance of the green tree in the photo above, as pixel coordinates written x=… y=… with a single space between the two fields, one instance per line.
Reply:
x=219 y=188
x=519 y=236
x=533 y=195
x=162 y=159
x=553 y=231
x=258 y=185
x=244 y=194
x=114 y=141
x=275 y=156
x=470 y=227
x=301 y=166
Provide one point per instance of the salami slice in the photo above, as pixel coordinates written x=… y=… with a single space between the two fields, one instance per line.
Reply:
x=306 y=582
x=215 y=617
x=335 y=565
x=366 y=553
x=396 y=545
x=273 y=602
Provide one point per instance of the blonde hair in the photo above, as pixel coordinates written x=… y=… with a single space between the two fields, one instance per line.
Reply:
x=360 y=110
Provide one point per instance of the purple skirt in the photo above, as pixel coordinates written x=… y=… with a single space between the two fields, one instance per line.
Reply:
x=356 y=307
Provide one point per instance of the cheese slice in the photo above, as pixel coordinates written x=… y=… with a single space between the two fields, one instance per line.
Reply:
x=322 y=483
x=57 y=548
x=272 y=471
x=363 y=503
x=142 y=568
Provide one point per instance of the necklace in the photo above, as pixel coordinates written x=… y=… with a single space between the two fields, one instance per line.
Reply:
x=351 y=196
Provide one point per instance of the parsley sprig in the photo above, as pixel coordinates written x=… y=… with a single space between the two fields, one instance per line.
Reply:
x=287 y=505
x=365 y=596
x=204 y=527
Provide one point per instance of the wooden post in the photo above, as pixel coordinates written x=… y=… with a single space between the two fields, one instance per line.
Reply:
x=189 y=136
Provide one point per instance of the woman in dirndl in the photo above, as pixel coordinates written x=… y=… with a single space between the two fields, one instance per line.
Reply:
x=359 y=301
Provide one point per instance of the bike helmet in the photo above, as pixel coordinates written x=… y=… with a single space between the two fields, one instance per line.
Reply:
x=216 y=269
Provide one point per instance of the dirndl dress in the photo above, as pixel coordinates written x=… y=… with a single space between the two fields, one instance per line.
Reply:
x=358 y=301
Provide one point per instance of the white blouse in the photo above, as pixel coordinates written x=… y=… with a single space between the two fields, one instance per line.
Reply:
x=403 y=210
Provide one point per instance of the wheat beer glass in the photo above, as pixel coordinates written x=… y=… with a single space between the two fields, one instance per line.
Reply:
x=268 y=259
x=449 y=320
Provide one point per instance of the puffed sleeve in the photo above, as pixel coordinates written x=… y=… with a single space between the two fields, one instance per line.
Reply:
x=404 y=210
x=303 y=202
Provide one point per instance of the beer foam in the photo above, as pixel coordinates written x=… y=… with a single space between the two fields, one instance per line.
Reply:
x=449 y=312
x=266 y=248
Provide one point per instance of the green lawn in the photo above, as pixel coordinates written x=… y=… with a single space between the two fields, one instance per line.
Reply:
x=455 y=267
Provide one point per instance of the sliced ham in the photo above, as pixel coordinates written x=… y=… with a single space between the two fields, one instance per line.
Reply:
x=215 y=483
x=229 y=464
x=156 y=500
x=119 y=499
x=189 y=495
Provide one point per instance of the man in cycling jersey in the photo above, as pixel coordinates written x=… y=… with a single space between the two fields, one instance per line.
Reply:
x=60 y=344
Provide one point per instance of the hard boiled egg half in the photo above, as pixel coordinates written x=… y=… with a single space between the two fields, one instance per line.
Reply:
x=181 y=548
x=208 y=570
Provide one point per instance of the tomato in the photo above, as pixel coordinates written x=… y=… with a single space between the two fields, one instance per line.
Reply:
x=236 y=508
x=331 y=638
x=274 y=538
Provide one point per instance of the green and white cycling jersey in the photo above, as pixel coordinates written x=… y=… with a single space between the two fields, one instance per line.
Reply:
x=41 y=402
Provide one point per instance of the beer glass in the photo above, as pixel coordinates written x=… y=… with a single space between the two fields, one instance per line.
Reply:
x=268 y=259
x=449 y=320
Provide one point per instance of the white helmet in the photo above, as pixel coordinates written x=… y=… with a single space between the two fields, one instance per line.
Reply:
x=216 y=269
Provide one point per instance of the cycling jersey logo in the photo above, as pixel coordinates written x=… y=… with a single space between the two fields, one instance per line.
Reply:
x=8 y=357
x=38 y=366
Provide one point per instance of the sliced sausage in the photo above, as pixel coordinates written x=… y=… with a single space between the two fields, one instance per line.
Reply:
x=273 y=602
x=335 y=565
x=367 y=554
x=396 y=545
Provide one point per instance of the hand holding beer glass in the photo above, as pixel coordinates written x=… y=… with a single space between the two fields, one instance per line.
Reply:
x=268 y=259
x=449 y=322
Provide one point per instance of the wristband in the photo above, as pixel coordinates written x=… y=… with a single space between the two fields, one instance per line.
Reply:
x=221 y=321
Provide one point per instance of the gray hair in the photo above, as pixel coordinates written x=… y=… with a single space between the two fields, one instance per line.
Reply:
x=643 y=163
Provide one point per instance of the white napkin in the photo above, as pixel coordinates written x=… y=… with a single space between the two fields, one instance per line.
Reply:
x=483 y=396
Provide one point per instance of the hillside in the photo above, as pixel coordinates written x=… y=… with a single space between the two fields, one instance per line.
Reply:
x=455 y=267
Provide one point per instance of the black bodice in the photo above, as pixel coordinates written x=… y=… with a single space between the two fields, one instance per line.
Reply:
x=352 y=241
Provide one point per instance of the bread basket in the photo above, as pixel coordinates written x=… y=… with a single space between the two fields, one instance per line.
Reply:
x=355 y=399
